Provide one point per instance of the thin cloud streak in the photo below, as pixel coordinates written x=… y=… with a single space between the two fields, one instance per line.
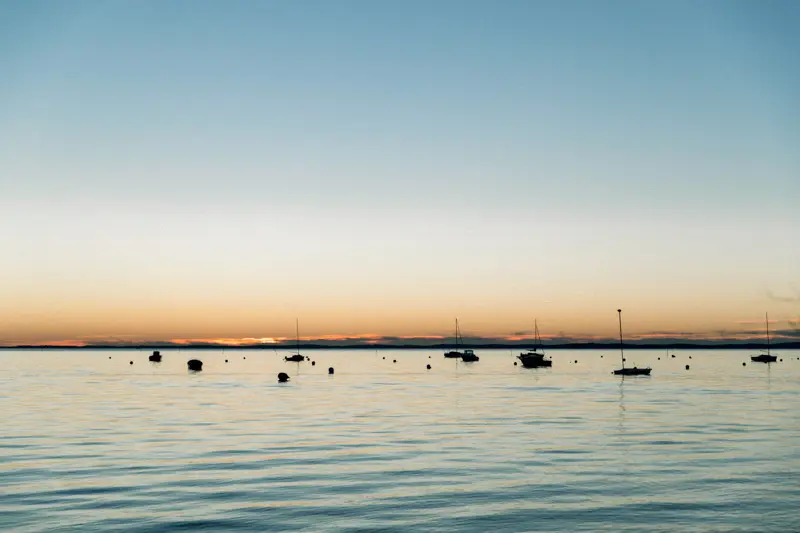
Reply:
x=785 y=299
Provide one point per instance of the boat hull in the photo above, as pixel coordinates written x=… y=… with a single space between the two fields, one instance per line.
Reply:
x=453 y=355
x=543 y=363
x=295 y=358
x=764 y=358
x=470 y=358
x=632 y=372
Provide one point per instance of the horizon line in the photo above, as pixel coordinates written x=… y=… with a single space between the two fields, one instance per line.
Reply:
x=606 y=344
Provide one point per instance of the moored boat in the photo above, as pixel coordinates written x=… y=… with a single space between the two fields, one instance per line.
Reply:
x=469 y=356
x=296 y=357
x=630 y=371
x=455 y=354
x=765 y=357
x=535 y=358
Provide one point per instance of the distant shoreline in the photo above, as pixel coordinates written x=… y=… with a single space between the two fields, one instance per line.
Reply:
x=492 y=346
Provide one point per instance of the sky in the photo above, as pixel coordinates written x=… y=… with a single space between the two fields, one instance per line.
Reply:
x=215 y=170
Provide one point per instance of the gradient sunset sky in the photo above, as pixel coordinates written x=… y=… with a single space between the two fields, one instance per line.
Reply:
x=207 y=169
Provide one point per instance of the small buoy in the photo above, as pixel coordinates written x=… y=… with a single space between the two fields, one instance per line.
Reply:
x=673 y=356
x=313 y=363
x=195 y=364
x=226 y=360
x=601 y=356
x=576 y=361
x=690 y=357
x=244 y=357
x=131 y=362
x=384 y=358
x=283 y=377
x=781 y=359
x=744 y=364
x=687 y=367
x=624 y=359
x=515 y=363
x=109 y=357
x=429 y=357
x=659 y=359
x=330 y=370
x=394 y=360
x=428 y=367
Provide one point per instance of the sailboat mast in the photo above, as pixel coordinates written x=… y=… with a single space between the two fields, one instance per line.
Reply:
x=621 y=349
x=766 y=320
x=297 y=333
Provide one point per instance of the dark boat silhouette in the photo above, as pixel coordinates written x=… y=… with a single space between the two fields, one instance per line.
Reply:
x=155 y=357
x=469 y=356
x=765 y=357
x=297 y=357
x=630 y=371
x=455 y=354
x=535 y=358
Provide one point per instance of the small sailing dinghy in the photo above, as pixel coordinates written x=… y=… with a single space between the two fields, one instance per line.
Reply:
x=765 y=357
x=629 y=371
x=455 y=354
x=296 y=357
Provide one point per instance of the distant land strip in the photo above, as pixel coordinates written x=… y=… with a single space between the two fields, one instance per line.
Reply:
x=709 y=345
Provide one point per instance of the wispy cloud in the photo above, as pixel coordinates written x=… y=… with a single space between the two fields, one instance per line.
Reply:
x=750 y=322
x=244 y=341
x=785 y=298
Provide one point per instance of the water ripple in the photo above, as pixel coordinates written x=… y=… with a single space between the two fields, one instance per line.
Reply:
x=95 y=444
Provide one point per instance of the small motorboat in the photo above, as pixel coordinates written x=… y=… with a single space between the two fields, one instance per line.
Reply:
x=469 y=356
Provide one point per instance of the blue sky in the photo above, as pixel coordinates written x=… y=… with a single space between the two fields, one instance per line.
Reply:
x=492 y=160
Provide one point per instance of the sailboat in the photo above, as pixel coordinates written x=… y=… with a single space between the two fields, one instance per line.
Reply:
x=765 y=357
x=296 y=357
x=535 y=358
x=455 y=354
x=630 y=371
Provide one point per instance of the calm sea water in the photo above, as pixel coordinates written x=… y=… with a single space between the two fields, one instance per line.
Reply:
x=92 y=443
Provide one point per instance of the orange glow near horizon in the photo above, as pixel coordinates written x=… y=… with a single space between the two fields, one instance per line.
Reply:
x=373 y=338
